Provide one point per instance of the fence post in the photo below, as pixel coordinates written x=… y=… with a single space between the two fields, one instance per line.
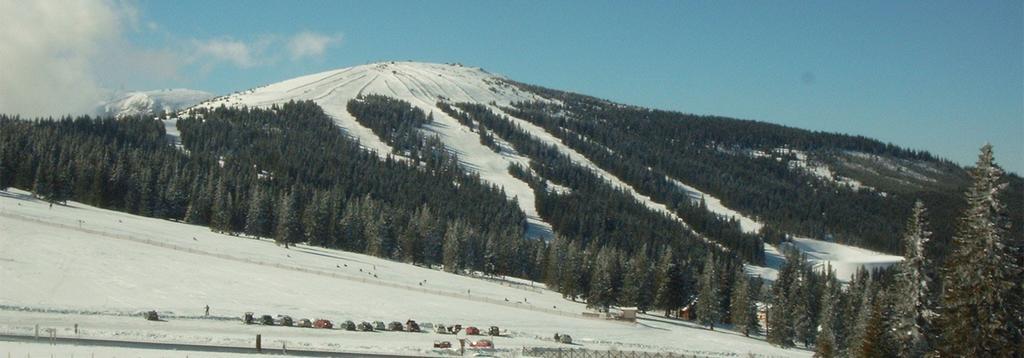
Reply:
x=37 y=332
x=258 y=347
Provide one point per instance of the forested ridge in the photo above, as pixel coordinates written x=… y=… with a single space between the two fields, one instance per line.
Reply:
x=714 y=154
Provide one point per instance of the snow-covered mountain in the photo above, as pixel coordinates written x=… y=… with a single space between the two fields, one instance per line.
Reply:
x=425 y=84
x=151 y=102
x=422 y=85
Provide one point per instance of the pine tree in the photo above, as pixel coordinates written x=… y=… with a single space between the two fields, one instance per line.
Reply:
x=861 y=339
x=605 y=281
x=198 y=212
x=826 y=340
x=912 y=317
x=708 y=301
x=781 y=317
x=637 y=286
x=430 y=235
x=350 y=227
x=289 y=227
x=577 y=273
x=260 y=217
x=317 y=220
x=805 y=299
x=5 y=173
x=453 y=246
x=981 y=303
x=742 y=307
x=43 y=185
x=670 y=290
x=220 y=212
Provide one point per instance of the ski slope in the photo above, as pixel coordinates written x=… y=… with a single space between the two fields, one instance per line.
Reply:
x=97 y=268
x=422 y=85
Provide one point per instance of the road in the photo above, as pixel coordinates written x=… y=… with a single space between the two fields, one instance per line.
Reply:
x=187 y=347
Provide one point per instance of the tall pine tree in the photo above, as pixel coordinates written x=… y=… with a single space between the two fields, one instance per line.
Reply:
x=826 y=346
x=912 y=315
x=742 y=307
x=707 y=301
x=289 y=227
x=981 y=303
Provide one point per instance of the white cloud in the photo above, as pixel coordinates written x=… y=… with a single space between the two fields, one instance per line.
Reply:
x=61 y=57
x=231 y=51
x=48 y=49
x=310 y=44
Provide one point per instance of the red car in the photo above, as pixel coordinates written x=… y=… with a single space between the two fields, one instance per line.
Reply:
x=322 y=323
x=472 y=331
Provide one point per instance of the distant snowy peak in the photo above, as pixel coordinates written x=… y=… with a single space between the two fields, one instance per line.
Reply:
x=151 y=102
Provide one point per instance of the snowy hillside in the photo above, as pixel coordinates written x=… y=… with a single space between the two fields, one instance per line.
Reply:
x=424 y=84
x=151 y=102
x=68 y=265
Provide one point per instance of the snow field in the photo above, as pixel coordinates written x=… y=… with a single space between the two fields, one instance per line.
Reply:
x=56 y=273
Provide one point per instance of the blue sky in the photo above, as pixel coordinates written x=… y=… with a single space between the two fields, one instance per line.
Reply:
x=942 y=76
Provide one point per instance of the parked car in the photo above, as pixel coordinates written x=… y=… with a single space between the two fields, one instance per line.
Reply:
x=151 y=316
x=442 y=344
x=378 y=325
x=284 y=321
x=472 y=331
x=247 y=318
x=395 y=326
x=483 y=343
x=455 y=329
x=347 y=325
x=305 y=323
x=440 y=328
x=364 y=326
x=412 y=326
x=323 y=323
x=563 y=338
x=494 y=331
x=267 y=320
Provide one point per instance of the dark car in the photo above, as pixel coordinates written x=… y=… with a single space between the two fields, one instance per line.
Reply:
x=379 y=325
x=412 y=326
x=494 y=331
x=395 y=326
x=151 y=316
x=267 y=320
x=364 y=326
x=305 y=322
x=284 y=321
x=247 y=318
x=347 y=325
